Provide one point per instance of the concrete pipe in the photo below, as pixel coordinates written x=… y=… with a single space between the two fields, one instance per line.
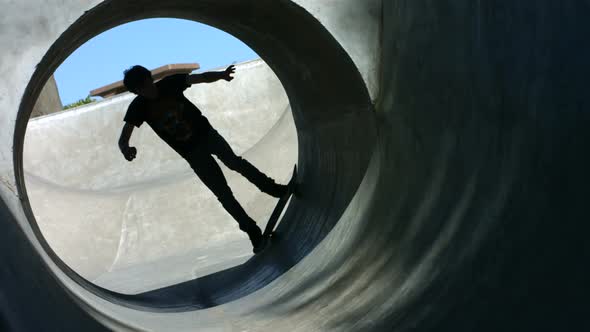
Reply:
x=442 y=157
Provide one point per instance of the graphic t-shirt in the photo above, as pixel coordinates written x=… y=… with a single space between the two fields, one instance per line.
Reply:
x=172 y=116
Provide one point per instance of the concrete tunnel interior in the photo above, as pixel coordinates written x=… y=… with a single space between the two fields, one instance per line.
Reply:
x=280 y=49
x=454 y=200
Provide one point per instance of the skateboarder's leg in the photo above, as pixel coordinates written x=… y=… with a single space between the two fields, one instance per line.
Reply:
x=218 y=146
x=211 y=175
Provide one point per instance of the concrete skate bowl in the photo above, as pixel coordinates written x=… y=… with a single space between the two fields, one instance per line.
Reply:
x=112 y=221
x=462 y=208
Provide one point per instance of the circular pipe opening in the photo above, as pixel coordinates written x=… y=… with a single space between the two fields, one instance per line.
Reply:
x=140 y=226
x=330 y=105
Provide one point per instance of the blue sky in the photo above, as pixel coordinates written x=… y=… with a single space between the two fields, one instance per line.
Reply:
x=150 y=43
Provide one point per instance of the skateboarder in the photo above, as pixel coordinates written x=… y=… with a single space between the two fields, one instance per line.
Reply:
x=181 y=125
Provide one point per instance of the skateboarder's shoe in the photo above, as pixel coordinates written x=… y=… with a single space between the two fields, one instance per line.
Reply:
x=261 y=245
x=278 y=191
x=293 y=188
x=281 y=190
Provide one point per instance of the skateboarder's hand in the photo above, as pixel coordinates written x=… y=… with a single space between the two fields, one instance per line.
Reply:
x=130 y=153
x=228 y=72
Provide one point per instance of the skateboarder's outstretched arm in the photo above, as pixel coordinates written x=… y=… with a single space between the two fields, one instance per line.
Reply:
x=212 y=76
x=128 y=152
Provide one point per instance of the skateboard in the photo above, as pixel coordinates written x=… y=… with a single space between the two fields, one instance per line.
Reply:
x=276 y=213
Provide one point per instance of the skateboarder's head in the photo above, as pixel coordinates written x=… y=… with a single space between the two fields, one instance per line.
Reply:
x=139 y=80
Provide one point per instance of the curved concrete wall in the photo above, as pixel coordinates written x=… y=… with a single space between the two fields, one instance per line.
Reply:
x=467 y=212
x=339 y=86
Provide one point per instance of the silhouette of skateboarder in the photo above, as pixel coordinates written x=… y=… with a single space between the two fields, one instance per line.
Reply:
x=183 y=127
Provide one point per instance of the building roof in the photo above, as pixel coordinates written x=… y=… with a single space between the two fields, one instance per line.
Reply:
x=158 y=73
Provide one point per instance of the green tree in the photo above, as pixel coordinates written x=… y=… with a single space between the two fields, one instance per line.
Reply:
x=80 y=102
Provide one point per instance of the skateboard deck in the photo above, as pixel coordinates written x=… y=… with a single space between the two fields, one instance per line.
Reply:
x=276 y=213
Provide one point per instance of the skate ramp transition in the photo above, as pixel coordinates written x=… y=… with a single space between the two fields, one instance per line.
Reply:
x=442 y=147
x=109 y=219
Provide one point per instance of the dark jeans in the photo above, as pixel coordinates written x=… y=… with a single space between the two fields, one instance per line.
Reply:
x=202 y=162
